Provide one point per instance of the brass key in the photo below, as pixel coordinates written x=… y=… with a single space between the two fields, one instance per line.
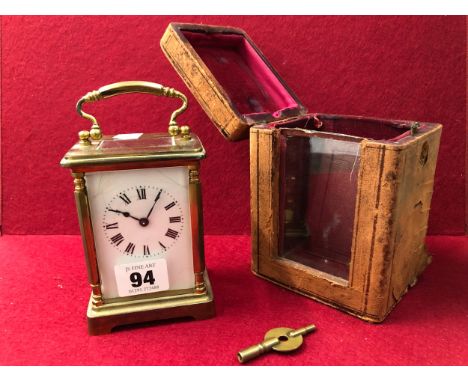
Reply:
x=278 y=339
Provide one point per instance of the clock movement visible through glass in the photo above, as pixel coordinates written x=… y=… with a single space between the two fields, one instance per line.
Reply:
x=139 y=216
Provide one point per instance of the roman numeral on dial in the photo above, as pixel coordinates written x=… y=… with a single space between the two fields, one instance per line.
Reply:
x=171 y=233
x=162 y=245
x=141 y=193
x=175 y=219
x=169 y=206
x=112 y=226
x=117 y=239
x=130 y=248
x=125 y=198
x=146 y=251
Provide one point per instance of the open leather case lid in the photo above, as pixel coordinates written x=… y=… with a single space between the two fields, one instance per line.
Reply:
x=229 y=76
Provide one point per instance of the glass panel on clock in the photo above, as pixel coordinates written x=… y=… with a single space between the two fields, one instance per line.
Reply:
x=317 y=200
x=141 y=224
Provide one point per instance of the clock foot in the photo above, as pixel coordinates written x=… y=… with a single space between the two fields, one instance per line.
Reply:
x=104 y=319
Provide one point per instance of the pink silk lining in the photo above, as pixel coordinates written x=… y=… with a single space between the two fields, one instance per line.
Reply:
x=369 y=128
x=248 y=81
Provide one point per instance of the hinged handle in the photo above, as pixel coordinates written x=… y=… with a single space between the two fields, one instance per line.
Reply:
x=132 y=87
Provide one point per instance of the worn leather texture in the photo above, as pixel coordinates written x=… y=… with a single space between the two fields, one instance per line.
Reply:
x=390 y=67
x=392 y=202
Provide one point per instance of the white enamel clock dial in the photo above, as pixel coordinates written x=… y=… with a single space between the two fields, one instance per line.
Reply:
x=141 y=220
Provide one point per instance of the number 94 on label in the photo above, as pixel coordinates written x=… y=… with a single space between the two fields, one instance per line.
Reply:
x=143 y=277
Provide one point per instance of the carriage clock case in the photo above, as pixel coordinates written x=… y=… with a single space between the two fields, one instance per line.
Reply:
x=339 y=204
x=139 y=205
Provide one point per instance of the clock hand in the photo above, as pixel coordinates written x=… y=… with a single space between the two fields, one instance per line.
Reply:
x=124 y=213
x=155 y=201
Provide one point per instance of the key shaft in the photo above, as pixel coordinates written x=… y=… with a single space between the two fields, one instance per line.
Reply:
x=257 y=350
x=302 y=331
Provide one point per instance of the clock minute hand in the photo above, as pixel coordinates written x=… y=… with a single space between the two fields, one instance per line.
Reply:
x=124 y=213
x=155 y=201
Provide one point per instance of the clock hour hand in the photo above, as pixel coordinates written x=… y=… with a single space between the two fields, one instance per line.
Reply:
x=124 y=213
x=155 y=201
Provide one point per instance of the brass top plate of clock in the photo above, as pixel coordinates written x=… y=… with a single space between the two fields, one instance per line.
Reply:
x=134 y=147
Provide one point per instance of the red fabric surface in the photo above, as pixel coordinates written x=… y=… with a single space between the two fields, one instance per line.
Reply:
x=44 y=294
x=391 y=67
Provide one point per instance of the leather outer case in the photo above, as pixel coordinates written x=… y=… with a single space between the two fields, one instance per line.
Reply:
x=394 y=189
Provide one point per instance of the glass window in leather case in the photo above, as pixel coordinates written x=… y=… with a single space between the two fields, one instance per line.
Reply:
x=317 y=201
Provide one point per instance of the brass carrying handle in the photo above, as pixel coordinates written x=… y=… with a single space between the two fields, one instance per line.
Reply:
x=132 y=87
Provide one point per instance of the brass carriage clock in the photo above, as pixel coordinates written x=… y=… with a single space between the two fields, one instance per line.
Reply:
x=139 y=205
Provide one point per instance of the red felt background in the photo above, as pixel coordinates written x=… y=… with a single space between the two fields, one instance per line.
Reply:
x=48 y=327
x=390 y=67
